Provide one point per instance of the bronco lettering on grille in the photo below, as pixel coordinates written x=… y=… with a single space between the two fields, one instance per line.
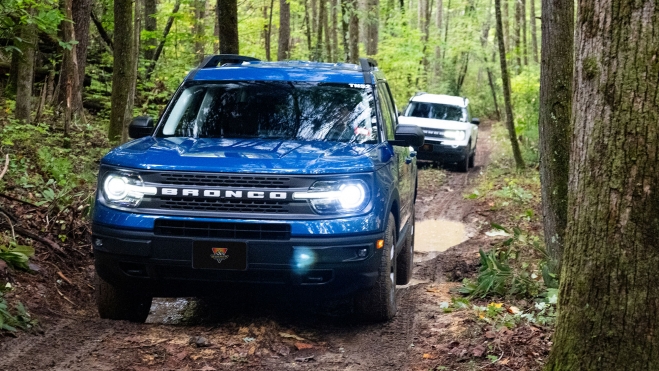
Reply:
x=221 y=193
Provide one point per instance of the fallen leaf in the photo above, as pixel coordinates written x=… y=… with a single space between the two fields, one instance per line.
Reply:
x=428 y=356
x=478 y=351
x=181 y=356
x=504 y=361
x=513 y=310
x=490 y=335
x=291 y=336
x=301 y=346
x=251 y=351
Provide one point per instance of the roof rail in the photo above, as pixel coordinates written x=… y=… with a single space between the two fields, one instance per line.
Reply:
x=367 y=65
x=419 y=93
x=220 y=59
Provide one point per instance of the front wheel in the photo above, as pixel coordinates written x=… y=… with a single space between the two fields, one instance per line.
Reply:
x=114 y=303
x=472 y=159
x=378 y=303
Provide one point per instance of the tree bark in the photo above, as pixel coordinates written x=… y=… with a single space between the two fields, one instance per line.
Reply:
x=437 y=70
x=534 y=35
x=168 y=26
x=71 y=86
x=79 y=31
x=121 y=67
x=334 y=30
x=25 y=72
x=525 y=53
x=132 y=89
x=283 y=50
x=554 y=120
x=510 y=123
x=506 y=25
x=344 y=29
x=101 y=31
x=372 y=27
x=82 y=10
x=354 y=31
x=228 y=21
x=609 y=291
x=517 y=35
x=318 y=52
x=490 y=78
x=328 y=36
x=200 y=29
x=151 y=26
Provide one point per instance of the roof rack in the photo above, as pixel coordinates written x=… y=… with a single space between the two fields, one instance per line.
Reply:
x=212 y=61
x=367 y=65
x=419 y=93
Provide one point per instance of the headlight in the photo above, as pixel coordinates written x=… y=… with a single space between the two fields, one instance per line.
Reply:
x=333 y=197
x=125 y=189
x=455 y=134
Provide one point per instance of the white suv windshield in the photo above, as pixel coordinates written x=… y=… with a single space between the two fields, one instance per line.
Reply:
x=436 y=111
x=273 y=110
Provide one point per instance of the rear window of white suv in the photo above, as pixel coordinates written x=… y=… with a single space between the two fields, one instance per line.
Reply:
x=436 y=111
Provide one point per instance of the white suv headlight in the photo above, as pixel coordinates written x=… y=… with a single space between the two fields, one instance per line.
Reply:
x=455 y=134
x=334 y=197
x=125 y=189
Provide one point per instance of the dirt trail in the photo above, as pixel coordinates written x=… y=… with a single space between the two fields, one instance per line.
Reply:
x=280 y=336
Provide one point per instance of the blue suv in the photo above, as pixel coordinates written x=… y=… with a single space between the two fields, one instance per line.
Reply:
x=289 y=174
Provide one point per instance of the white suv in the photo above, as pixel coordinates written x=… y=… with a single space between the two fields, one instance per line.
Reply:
x=451 y=133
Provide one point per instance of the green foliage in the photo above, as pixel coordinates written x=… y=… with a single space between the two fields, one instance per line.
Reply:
x=526 y=105
x=44 y=14
x=12 y=319
x=16 y=255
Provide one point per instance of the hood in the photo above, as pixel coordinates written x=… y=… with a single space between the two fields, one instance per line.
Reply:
x=434 y=124
x=243 y=156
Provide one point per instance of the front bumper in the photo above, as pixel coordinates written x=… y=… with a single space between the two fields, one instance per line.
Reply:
x=437 y=151
x=144 y=262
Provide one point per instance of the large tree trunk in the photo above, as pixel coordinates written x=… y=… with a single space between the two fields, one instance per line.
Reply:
x=344 y=29
x=554 y=119
x=123 y=62
x=200 y=28
x=328 y=37
x=81 y=15
x=132 y=89
x=510 y=123
x=150 y=25
x=609 y=293
x=354 y=31
x=318 y=52
x=525 y=54
x=334 y=30
x=372 y=27
x=437 y=63
x=484 y=44
x=25 y=72
x=534 y=35
x=69 y=81
x=284 y=51
x=506 y=25
x=228 y=20
x=517 y=35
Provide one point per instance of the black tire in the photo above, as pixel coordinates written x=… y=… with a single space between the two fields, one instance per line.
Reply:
x=379 y=303
x=405 y=260
x=472 y=158
x=463 y=166
x=113 y=303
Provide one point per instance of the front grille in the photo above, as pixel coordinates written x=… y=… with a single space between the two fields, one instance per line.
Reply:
x=220 y=180
x=250 y=231
x=437 y=133
x=224 y=205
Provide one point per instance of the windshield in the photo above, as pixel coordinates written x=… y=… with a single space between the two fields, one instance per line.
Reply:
x=273 y=110
x=436 y=111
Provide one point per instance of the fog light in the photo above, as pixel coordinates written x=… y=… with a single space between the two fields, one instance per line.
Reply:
x=362 y=253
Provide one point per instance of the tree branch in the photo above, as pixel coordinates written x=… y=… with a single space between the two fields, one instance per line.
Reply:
x=102 y=32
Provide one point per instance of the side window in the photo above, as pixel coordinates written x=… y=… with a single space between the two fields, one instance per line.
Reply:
x=386 y=109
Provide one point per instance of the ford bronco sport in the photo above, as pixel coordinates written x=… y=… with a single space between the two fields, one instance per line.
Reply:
x=290 y=174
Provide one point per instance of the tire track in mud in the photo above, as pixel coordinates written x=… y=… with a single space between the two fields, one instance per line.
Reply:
x=64 y=346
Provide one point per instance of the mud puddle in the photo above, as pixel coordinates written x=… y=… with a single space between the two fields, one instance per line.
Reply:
x=438 y=235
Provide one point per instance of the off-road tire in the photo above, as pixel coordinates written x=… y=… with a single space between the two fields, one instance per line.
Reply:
x=405 y=260
x=113 y=303
x=463 y=166
x=472 y=159
x=379 y=303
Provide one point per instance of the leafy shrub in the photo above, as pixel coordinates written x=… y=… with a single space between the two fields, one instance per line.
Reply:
x=16 y=318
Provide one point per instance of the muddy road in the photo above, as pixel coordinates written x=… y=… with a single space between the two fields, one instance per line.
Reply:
x=272 y=334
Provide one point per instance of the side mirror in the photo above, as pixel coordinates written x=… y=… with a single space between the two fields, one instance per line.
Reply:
x=408 y=135
x=476 y=121
x=141 y=126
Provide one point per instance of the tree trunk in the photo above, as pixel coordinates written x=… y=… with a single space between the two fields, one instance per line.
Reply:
x=372 y=27
x=437 y=70
x=334 y=30
x=328 y=37
x=313 y=21
x=101 y=31
x=25 y=72
x=216 y=30
x=484 y=44
x=132 y=90
x=510 y=123
x=307 y=27
x=318 y=53
x=283 y=50
x=463 y=72
x=151 y=26
x=71 y=86
x=121 y=67
x=354 y=31
x=156 y=55
x=344 y=29
x=506 y=25
x=82 y=10
x=534 y=35
x=517 y=35
x=554 y=119
x=81 y=15
x=609 y=293
x=228 y=20
x=525 y=53
x=199 y=29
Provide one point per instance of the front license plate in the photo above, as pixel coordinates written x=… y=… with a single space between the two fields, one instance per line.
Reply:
x=219 y=255
x=427 y=148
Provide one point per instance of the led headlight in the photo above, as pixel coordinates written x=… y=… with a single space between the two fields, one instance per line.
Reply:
x=455 y=134
x=125 y=189
x=333 y=197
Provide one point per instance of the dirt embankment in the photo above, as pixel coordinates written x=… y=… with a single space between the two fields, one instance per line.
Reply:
x=273 y=334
